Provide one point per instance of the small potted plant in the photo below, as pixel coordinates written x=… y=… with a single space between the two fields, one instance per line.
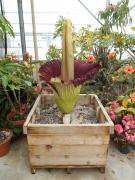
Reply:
x=122 y=113
x=5 y=138
x=17 y=116
x=17 y=86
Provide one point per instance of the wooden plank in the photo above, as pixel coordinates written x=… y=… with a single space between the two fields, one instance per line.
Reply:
x=107 y=117
x=30 y=114
x=70 y=129
x=84 y=99
x=66 y=154
x=63 y=139
x=47 y=99
x=67 y=166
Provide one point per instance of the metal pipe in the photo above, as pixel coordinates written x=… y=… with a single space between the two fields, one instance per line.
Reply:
x=34 y=37
x=21 y=24
x=34 y=30
x=90 y=12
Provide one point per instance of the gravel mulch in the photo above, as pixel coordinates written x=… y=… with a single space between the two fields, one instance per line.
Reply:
x=82 y=114
x=50 y=115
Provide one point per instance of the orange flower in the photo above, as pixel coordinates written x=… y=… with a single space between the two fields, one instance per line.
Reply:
x=90 y=58
x=111 y=54
x=124 y=103
x=132 y=96
x=129 y=69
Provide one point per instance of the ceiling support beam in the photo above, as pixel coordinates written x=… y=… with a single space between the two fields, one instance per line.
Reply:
x=21 y=24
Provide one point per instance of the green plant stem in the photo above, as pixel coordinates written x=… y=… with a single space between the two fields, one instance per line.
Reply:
x=8 y=97
x=19 y=97
x=15 y=97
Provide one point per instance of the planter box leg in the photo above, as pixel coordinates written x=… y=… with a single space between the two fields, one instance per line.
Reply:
x=102 y=169
x=33 y=170
x=68 y=170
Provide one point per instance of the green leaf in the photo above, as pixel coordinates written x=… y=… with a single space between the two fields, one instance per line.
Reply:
x=4 y=81
x=66 y=96
x=120 y=98
x=28 y=83
x=119 y=109
x=132 y=110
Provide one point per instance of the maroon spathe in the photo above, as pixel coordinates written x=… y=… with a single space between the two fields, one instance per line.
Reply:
x=83 y=71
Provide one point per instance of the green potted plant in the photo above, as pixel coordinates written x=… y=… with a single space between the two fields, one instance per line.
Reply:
x=17 y=86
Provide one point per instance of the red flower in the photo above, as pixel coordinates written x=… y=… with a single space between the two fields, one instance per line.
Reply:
x=129 y=69
x=90 y=58
x=114 y=105
x=112 y=115
x=128 y=117
x=132 y=96
x=130 y=136
x=118 y=128
x=111 y=55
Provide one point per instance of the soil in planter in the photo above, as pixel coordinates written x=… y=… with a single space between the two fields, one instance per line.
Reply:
x=82 y=114
x=3 y=136
x=50 y=114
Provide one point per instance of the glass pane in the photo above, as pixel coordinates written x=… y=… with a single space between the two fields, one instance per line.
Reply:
x=47 y=12
x=11 y=13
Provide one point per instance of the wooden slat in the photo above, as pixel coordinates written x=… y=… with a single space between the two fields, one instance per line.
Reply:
x=71 y=129
x=68 y=155
x=47 y=99
x=84 y=99
x=106 y=116
x=68 y=166
x=30 y=114
x=63 y=139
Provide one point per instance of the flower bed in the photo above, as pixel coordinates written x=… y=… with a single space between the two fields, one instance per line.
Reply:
x=122 y=113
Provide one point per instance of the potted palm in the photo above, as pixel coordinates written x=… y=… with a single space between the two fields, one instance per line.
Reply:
x=67 y=144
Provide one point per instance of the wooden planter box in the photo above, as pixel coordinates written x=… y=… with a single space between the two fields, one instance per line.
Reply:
x=68 y=145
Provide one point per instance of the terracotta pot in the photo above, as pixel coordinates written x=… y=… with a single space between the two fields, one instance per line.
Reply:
x=14 y=122
x=5 y=145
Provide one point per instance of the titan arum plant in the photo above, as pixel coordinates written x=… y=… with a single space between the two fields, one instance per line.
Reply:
x=67 y=75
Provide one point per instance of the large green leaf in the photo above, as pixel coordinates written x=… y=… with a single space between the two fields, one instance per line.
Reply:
x=4 y=81
x=66 y=96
